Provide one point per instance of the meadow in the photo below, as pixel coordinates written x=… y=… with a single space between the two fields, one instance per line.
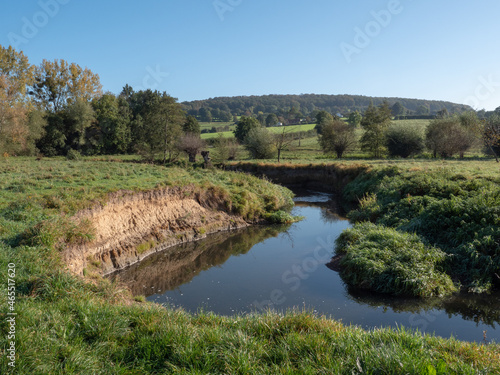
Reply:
x=67 y=324
x=273 y=129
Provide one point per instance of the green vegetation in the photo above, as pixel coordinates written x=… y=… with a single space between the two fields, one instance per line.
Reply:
x=456 y=212
x=70 y=325
x=387 y=261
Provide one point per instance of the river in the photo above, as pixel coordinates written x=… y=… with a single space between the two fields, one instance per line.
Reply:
x=286 y=267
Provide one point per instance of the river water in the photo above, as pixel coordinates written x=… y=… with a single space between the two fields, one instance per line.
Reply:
x=284 y=268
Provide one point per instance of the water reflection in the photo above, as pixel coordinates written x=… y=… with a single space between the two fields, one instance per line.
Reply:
x=285 y=267
x=178 y=265
x=480 y=309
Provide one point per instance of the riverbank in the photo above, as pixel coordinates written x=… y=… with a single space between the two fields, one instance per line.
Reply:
x=84 y=325
x=437 y=222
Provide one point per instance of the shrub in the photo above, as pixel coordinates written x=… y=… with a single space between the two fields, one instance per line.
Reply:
x=73 y=155
x=260 y=143
x=191 y=144
x=404 y=141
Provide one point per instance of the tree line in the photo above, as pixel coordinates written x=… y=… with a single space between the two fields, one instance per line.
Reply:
x=58 y=108
x=309 y=105
x=445 y=136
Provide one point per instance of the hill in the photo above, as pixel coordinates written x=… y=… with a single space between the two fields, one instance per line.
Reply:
x=308 y=104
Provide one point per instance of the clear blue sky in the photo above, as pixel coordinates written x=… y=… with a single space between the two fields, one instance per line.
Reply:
x=446 y=50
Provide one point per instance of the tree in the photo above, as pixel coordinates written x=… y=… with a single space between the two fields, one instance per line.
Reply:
x=446 y=137
x=261 y=118
x=191 y=144
x=20 y=124
x=423 y=110
x=259 y=142
x=294 y=114
x=375 y=123
x=226 y=116
x=398 y=109
x=205 y=115
x=58 y=83
x=191 y=125
x=322 y=118
x=159 y=124
x=79 y=116
x=338 y=137
x=355 y=119
x=282 y=141
x=244 y=126
x=491 y=134
x=443 y=113
x=271 y=119
x=404 y=140
x=113 y=117
x=53 y=141
x=17 y=71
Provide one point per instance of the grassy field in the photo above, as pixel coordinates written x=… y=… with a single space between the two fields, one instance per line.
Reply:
x=275 y=130
x=69 y=325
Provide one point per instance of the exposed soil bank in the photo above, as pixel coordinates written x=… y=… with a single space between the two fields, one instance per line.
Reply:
x=330 y=178
x=132 y=225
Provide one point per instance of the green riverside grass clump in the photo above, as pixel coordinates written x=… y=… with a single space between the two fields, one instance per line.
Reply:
x=388 y=261
x=457 y=212
x=66 y=324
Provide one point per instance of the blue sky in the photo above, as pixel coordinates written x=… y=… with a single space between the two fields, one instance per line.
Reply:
x=446 y=50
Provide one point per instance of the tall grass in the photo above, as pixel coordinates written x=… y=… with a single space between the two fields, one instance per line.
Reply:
x=388 y=261
x=457 y=212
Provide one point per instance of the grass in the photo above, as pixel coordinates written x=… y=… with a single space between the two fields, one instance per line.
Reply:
x=458 y=212
x=72 y=325
x=388 y=261
x=275 y=130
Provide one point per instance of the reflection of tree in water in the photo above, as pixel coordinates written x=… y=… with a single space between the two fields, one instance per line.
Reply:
x=484 y=309
x=329 y=210
x=179 y=264
x=328 y=216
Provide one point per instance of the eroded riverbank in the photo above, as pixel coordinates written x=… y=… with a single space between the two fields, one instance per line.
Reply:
x=287 y=267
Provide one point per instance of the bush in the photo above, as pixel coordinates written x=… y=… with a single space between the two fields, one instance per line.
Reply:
x=191 y=144
x=260 y=143
x=73 y=155
x=446 y=137
x=404 y=141
x=385 y=260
